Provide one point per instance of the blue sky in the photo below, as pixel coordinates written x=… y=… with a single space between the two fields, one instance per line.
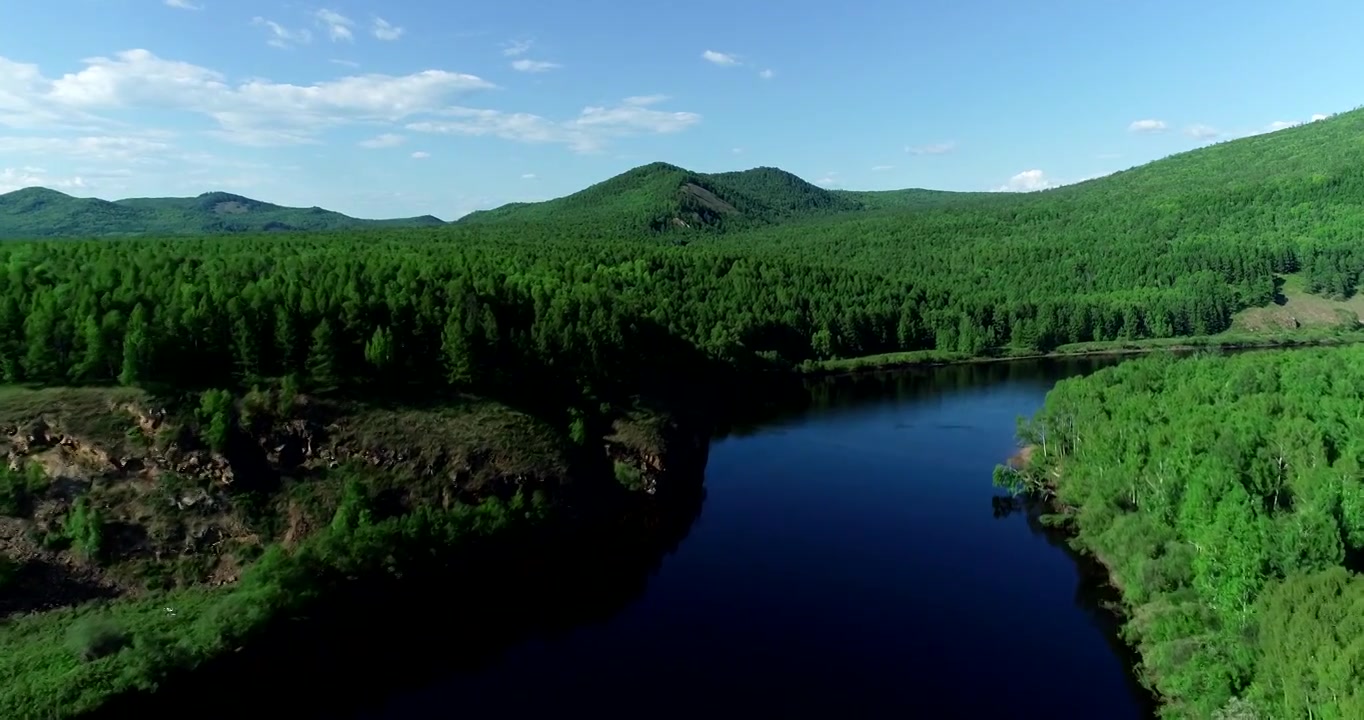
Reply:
x=406 y=107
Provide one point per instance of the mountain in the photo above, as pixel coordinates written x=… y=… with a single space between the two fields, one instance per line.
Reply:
x=662 y=197
x=40 y=212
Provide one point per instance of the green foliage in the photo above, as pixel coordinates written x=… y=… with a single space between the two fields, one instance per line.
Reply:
x=38 y=212
x=84 y=528
x=629 y=476
x=217 y=415
x=19 y=488
x=1224 y=493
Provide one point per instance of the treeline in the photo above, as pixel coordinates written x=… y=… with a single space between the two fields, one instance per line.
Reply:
x=551 y=316
x=1227 y=496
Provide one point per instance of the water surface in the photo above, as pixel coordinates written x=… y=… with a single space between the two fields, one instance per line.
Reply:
x=848 y=561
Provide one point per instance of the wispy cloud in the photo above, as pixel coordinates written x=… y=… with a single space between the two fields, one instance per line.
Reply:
x=345 y=63
x=183 y=5
x=527 y=65
x=1147 y=126
x=384 y=30
x=386 y=140
x=12 y=179
x=941 y=148
x=516 y=48
x=1318 y=116
x=767 y=74
x=720 y=58
x=338 y=26
x=1202 y=132
x=280 y=36
x=645 y=100
x=528 y=176
x=420 y=155
x=1282 y=125
x=882 y=168
x=590 y=131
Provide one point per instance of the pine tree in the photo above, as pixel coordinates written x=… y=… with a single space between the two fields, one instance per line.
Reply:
x=136 y=349
x=457 y=354
x=321 y=363
x=94 y=361
x=379 y=350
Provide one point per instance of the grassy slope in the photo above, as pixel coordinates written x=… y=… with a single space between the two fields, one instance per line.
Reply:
x=39 y=212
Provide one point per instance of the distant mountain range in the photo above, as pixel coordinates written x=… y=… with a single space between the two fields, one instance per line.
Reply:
x=39 y=212
x=664 y=199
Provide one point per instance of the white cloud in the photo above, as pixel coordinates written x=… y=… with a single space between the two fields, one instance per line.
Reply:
x=338 y=26
x=345 y=63
x=588 y=132
x=384 y=30
x=767 y=74
x=94 y=148
x=645 y=100
x=1282 y=125
x=941 y=148
x=256 y=112
x=1147 y=126
x=829 y=180
x=280 y=36
x=533 y=66
x=183 y=5
x=517 y=48
x=1202 y=132
x=882 y=168
x=1027 y=181
x=386 y=140
x=720 y=58
x=1318 y=116
x=12 y=179
x=737 y=151
x=420 y=155
x=528 y=176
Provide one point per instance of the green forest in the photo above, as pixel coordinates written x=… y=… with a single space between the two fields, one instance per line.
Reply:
x=1226 y=495
x=39 y=212
x=661 y=287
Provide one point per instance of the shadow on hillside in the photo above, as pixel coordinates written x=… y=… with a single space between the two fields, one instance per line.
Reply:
x=39 y=586
x=386 y=638
x=1279 y=298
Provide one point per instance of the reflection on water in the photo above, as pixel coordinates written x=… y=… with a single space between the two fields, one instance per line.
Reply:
x=846 y=565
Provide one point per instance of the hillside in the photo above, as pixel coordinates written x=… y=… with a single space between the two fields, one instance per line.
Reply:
x=662 y=197
x=38 y=212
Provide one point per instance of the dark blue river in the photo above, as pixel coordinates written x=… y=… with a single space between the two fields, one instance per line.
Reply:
x=848 y=561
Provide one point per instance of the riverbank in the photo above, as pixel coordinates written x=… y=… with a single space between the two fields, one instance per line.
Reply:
x=1058 y=518
x=145 y=538
x=1225 y=342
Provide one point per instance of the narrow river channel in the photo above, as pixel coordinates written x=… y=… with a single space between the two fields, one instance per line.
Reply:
x=848 y=561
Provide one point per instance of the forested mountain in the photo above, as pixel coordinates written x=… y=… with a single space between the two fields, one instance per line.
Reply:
x=664 y=198
x=38 y=212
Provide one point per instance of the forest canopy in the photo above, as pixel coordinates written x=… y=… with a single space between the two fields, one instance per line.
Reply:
x=1226 y=494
